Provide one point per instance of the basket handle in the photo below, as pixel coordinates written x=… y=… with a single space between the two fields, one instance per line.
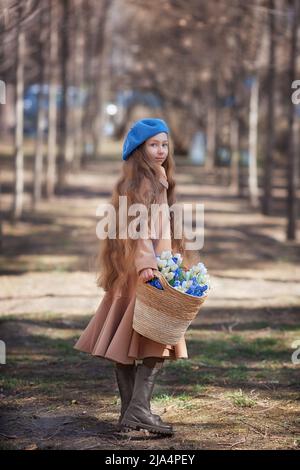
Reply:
x=161 y=278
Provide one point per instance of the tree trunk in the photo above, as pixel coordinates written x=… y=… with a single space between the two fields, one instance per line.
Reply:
x=19 y=103
x=41 y=117
x=2 y=103
x=62 y=134
x=234 y=146
x=268 y=160
x=52 y=107
x=79 y=63
x=39 y=149
x=253 y=124
x=211 y=128
x=70 y=131
x=93 y=41
x=293 y=151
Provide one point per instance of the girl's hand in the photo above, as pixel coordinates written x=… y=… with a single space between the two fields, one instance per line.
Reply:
x=146 y=274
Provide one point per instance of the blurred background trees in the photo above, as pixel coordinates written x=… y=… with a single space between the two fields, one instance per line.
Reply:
x=77 y=73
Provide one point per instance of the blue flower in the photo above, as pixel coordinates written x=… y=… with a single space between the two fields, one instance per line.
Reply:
x=155 y=283
x=177 y=274
x=190 y=291
x=195 y=279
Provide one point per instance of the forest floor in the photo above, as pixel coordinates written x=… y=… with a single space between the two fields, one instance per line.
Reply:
x=239 y=389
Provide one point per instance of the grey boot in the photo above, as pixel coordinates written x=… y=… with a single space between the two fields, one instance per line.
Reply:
x=125 y=375
x=138 y=414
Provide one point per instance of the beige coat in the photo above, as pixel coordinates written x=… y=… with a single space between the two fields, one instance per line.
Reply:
x=109 y=333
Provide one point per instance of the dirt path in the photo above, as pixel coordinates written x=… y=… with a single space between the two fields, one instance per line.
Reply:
x=239 y=389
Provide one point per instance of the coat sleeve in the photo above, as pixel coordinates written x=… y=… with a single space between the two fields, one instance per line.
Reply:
x=145 y=255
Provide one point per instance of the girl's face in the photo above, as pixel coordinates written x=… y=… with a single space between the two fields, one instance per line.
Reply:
x=157 y=147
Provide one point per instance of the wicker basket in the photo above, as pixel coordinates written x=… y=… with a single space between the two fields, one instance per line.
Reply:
x=164 y=315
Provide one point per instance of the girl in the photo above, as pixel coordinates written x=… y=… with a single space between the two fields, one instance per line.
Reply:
x=147 y=178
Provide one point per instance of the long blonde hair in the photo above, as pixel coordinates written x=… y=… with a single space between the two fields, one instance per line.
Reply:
x=116 y=256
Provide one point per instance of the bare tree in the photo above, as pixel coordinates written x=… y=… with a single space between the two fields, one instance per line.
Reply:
x=19 y=119
x=41 y=114
x=2 y=55
x=212 y=125
x=293 y=151
x=253 y=136
x=268 y=160
x=62 y=123
x=78 y=60
x=235 y=152
x=52 y=107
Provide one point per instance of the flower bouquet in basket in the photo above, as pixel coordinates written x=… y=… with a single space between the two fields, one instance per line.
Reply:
x=167 y=304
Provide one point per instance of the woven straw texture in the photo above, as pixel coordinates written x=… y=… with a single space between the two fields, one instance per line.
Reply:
x=164 y=315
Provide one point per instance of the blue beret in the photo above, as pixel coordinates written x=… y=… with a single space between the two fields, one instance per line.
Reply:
x=141 y=131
